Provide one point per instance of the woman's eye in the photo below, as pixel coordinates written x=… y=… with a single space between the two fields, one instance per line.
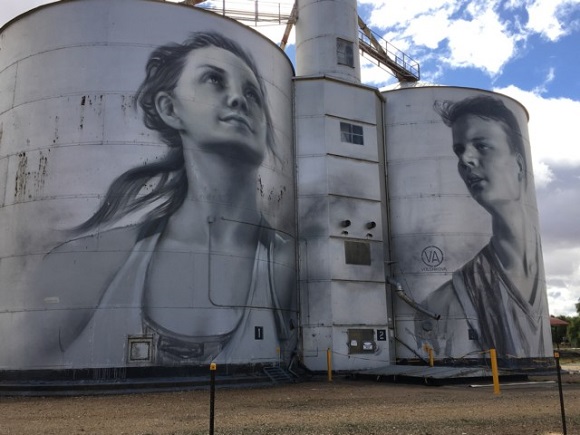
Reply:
x=214 y=79
x=252 y=94
x=481 y=146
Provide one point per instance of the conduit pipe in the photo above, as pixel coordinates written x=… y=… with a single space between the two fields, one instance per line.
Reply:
x=410 y=301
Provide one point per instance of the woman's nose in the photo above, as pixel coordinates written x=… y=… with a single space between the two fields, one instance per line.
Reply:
x=236 y=100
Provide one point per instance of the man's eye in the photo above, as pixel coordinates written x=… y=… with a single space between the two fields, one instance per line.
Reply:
x=458 y=149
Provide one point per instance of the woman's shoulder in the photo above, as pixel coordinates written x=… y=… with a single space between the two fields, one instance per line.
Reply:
x=88 y=262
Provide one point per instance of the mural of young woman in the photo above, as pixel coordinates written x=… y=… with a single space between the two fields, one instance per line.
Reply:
x=498 y=298
x=203 y=268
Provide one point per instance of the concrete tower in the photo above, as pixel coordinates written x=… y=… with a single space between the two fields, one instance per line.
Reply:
x=338 y=125
x=327 y=39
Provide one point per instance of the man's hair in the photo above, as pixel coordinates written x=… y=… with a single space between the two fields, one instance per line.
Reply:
x=485 y=107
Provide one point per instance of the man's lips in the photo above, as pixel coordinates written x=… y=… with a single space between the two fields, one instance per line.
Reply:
x=473 y=180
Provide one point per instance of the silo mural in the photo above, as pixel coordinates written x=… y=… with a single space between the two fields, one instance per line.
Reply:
x=148 y=197
x=465 y=234
x=148 y=216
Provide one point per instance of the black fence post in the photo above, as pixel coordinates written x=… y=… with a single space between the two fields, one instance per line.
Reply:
x=212 y=369
x=558 y=371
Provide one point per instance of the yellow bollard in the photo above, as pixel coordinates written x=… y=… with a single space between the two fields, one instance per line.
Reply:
x=429 y=351
x=494 y=372
x=329 y=364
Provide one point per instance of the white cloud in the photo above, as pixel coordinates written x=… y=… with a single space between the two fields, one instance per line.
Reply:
x=543 y=87
x=476 y=34
x=563 y=279
x=397 y=13
x=471 y=34
x=437 y=23
x=552 y=127
x=548 y=17
x=371 y=73
x=562 y=300
x=483 y=42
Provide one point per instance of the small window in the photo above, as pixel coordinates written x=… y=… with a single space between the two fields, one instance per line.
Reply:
x=351 y=133
x=344 y=52
x=357 y=253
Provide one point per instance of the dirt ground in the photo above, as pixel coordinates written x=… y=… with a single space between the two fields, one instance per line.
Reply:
x=343 y=406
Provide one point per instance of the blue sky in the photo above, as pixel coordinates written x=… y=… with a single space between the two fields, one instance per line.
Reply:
x=527 y=49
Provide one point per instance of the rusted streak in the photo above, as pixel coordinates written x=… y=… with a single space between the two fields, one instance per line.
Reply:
x=40 y=176
x=27 y=179
x=21 y=177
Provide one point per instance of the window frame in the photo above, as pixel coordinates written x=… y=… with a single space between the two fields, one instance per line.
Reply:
x=351 y=133
x=344 y=52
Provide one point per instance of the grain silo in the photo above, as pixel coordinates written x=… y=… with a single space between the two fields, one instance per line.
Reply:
x=172 y=194
x=147 y=194
x=464 y=230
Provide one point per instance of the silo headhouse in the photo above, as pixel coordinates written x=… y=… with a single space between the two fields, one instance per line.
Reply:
x=174 y=192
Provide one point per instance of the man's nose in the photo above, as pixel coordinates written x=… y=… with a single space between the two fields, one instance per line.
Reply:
x=469 y=157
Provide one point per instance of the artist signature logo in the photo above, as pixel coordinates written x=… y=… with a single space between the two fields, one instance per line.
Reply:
x=432 y=256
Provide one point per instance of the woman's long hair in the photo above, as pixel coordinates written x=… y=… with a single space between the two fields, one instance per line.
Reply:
x=163 y=70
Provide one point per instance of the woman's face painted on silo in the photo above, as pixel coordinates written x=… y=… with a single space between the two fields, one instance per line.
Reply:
x=491 y=171
x=218 y=101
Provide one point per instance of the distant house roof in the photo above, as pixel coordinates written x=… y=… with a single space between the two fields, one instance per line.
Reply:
x=554 y=321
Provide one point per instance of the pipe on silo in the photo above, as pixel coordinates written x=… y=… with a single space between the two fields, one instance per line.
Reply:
x=410 y=301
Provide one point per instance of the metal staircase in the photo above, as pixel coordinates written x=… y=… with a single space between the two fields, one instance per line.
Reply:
x=387 y=56
x=278 y=375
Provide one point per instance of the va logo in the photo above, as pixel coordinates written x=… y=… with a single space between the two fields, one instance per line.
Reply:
x=432 y=256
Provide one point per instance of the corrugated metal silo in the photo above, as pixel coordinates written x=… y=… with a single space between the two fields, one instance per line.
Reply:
x=464 y=225
x=191 y=257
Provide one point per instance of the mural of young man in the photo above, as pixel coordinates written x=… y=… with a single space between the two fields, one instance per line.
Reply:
x=498 y=298
x=203 y=267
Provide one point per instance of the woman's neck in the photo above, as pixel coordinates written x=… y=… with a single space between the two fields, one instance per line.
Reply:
x=220 y=190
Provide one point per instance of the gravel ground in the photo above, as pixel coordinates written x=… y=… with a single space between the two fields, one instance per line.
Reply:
x=343 y=406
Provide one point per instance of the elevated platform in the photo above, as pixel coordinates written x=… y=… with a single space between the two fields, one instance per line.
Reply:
x=127 y=386
x=85 y=382
x=426 y=372
x=441 y=374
